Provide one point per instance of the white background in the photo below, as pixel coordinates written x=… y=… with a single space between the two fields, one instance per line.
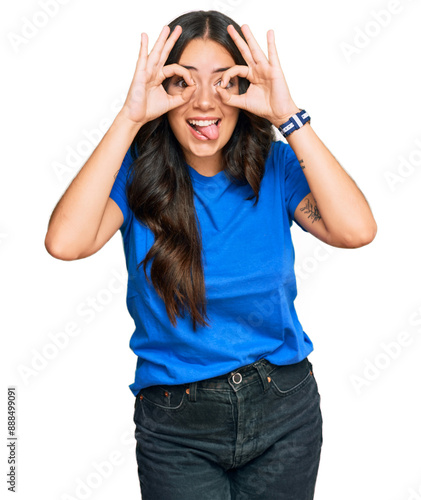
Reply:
x=60 y=82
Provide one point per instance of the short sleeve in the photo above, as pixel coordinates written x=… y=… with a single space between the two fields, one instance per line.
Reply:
x=118 y=191
x=296 y=185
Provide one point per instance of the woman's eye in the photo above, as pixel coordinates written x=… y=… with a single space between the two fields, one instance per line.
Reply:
x=230 y=84
x=181 y=83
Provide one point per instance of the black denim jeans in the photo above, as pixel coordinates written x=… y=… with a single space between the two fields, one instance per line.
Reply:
x=255 y=433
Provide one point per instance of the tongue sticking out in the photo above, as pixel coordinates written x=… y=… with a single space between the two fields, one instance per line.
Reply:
x=210 y=131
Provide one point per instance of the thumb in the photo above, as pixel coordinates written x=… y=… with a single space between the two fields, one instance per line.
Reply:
x=224 y=95
x=231 y=99
x=180 y=99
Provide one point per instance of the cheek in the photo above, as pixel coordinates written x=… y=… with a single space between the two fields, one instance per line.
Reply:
x=175 y=121
x=232 y=117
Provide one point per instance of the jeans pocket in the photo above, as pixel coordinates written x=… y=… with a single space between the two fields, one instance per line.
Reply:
x=289 y=379
x=168 y=398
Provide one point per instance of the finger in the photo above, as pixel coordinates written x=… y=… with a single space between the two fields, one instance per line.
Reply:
x=241 y=71
x=176 y=69
x=143 y=53
x=169 y=44
x=180 y=99
x=272 y=52
x=256 y=51
x=159 y=45
x=235 y=100
x=241 y=44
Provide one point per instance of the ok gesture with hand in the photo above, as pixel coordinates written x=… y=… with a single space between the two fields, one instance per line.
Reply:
x=147 y=98
x=268 y=95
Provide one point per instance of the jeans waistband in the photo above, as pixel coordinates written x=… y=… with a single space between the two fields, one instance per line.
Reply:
x=237 y=379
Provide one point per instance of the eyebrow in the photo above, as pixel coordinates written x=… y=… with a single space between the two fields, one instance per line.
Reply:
x=218 y=70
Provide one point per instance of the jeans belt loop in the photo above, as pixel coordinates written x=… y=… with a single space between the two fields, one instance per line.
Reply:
x=263 y=376
x=192 y=391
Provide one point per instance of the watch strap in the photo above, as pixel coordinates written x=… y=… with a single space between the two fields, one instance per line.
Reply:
x=294 y=123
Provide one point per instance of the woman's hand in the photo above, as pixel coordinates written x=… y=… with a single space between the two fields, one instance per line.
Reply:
x=147 y=98
x=268 y=94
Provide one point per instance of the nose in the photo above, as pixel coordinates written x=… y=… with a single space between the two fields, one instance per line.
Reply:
x=205 y=96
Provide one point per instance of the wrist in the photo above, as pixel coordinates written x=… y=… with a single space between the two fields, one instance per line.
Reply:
x=296 y=121
x=123 y=117
x=281 y=119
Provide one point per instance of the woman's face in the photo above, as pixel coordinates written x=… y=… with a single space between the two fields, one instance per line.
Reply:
x=204 y=125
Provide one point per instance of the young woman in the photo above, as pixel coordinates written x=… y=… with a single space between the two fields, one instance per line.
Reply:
x=227 y=405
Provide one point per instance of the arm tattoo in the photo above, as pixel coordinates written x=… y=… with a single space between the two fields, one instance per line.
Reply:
x=311 y=210
x=302 y=164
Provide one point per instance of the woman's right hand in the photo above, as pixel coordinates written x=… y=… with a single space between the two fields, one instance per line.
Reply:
x=147 y=98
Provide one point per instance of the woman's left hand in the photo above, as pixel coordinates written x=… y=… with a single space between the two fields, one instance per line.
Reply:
x=268 y=94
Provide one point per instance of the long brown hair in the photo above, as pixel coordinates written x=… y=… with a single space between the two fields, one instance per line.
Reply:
x=160 y=191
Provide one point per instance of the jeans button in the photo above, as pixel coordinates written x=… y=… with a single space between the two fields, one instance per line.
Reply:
x=237 y=378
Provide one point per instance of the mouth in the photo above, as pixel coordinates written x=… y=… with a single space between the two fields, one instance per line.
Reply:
x=207 y=129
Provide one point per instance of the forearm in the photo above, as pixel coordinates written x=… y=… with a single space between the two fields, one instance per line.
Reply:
x=76 y=218
x=342 y=206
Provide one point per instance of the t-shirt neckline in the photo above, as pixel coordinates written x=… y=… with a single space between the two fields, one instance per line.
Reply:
x=219 y=178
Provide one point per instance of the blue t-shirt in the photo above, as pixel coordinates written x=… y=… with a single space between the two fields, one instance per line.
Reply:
x=248 y=259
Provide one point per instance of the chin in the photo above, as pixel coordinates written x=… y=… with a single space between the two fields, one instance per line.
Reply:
x=202 y=150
